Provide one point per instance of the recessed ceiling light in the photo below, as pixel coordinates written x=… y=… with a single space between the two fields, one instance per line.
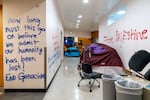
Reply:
x=79 y=16
x=77 y=24
x=85 y=1
x=78 y=20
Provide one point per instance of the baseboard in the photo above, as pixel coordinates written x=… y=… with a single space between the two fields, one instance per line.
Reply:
x=25 y=90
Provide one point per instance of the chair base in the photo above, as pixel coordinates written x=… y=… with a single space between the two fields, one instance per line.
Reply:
x=91 y=84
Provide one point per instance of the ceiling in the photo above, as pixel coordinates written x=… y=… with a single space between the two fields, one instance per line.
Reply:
x=92 y=13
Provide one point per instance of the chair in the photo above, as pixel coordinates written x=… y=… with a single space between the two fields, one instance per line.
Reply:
x=138 y=61
x=86 y=72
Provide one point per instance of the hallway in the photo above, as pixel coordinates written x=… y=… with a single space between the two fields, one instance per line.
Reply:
x=63 y=87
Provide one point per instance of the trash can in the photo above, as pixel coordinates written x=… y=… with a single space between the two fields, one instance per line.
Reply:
x=108 y=86
x=128 y=90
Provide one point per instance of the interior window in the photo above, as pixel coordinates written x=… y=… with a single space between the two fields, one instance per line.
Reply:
x=116 y=15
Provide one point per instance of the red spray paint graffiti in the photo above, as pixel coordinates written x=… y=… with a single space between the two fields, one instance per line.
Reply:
x=131 y=35
x=108 y=39
x=124 y=35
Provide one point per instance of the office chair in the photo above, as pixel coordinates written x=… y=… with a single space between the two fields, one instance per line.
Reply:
x=86 y=72
x=138 y=61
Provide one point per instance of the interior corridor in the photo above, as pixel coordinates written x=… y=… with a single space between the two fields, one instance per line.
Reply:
x=63 y=87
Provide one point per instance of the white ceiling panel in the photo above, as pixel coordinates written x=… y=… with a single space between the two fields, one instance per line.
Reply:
x=91 y=12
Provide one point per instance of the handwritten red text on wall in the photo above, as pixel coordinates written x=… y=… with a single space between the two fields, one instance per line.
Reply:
x=132 y=34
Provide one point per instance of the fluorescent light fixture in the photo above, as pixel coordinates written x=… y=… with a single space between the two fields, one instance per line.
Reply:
x=78 y=20
x=121 y=12
x=79 y=16
x=77 y=24
x=85 y=1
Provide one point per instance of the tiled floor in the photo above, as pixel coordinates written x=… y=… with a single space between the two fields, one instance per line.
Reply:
x=63 y=87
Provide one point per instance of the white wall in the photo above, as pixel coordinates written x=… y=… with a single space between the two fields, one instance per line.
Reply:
x=77 y=34
x=54 y=40
x=118 y=35
x=41 y=63
x=23 y=69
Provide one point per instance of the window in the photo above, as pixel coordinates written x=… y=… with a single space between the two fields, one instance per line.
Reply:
x=116 y=15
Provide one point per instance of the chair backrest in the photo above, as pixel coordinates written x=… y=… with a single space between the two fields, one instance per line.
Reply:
x=87 y=68
x=139 y=60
